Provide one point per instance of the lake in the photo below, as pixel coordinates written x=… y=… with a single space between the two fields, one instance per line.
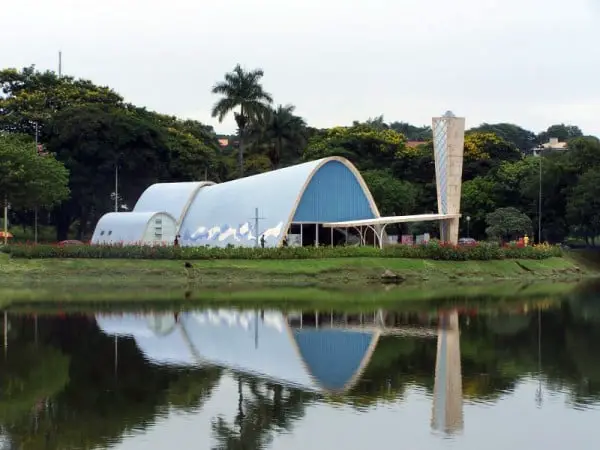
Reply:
x=478 y=375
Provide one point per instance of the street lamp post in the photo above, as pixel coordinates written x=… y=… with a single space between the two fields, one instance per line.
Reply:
x=35 y=226
x=540 y=201
x=468 y=226
x=5 y=220
x=117 y=186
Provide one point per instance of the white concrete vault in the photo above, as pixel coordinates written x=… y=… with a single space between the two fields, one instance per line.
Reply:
x=323 y=199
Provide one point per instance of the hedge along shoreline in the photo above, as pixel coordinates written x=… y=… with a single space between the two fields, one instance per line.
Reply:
x=432 y=250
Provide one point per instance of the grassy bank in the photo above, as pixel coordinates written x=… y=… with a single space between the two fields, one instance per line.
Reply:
x=342 y=272
x=495 y=296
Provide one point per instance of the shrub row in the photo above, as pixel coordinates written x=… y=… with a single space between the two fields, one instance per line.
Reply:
x=433 y=250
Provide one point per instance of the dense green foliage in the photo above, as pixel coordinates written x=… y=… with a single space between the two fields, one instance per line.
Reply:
x=96 y=135
x=27 y=178
x=433 y=250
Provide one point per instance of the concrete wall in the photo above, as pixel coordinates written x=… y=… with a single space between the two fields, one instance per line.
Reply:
x=448 y=148
x=161 y=229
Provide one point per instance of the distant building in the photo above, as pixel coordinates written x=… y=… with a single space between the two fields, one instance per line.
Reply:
x=414 y=144
x=228 y=142
x=552 y=145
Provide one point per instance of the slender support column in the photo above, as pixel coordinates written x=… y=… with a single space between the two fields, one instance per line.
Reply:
x=316 y=235
x=301 y=236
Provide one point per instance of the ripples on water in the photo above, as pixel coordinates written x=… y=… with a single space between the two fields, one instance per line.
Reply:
x=519 y=377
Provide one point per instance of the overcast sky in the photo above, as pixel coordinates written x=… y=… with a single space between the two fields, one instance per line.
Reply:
x=530 y=62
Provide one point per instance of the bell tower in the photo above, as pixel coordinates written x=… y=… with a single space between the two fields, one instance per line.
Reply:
x=448 y=149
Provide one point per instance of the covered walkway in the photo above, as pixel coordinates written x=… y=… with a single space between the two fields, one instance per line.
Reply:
x=378 y=225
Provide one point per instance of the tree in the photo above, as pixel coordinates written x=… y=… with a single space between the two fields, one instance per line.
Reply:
x=241 y=89
x=92 y=140
x=524 y=140
x=562 y=132
x=392 y=196
x=484 y=152
x=477 y=201
x=365 y=146
x=507 y=223
x=282 y=133
x=412 y=132
x=31 y=97
x=583 y=205
x=28 y=179
x=584 y=152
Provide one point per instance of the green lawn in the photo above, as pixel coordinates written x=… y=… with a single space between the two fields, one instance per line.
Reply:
x=285 y=282
x=219 y=272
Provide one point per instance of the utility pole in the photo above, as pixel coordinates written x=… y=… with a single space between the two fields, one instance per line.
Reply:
x=35 y=226
x=5 y=220
x=59 y=64
x=468 y=226
x=256 y=219
x=540 y=203
x=117 y=186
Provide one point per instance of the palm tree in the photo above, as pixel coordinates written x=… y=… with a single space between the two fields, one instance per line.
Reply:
x=280 y=129
x=241 y=89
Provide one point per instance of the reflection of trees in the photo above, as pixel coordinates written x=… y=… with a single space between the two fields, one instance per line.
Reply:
x=97 y=405
x=29 y=375
x=268 y=409
x=396 y=363
x=497 y=351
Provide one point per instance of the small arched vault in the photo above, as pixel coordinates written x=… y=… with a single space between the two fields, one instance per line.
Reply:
x=139 y=228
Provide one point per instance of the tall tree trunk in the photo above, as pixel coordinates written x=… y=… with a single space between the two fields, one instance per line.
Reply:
x=62 y=220
x=242 y=123
x=278 y=153
x=240 y=414
x=241 y=153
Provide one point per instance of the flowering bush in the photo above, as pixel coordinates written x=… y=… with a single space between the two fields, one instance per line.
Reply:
x=432 y=250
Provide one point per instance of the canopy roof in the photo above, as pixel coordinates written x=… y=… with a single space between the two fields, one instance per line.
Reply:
x=391 y=219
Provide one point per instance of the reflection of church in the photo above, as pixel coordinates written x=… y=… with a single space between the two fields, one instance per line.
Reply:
x=317 y=352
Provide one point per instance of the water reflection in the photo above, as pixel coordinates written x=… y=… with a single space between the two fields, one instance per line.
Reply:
x=323 y=353
x=253 y=377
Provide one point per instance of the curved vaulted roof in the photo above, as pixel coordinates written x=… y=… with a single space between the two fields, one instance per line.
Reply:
x=123 y=227
x=174 y=198
x=325 y=190
x=318 y=360
x=321 y=191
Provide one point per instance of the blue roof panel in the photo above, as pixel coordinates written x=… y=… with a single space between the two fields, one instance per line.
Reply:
x=334 y=357
x=334 y=194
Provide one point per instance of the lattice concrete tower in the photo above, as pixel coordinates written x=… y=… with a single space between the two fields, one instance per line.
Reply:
x=447 y=410
x=448 y=149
